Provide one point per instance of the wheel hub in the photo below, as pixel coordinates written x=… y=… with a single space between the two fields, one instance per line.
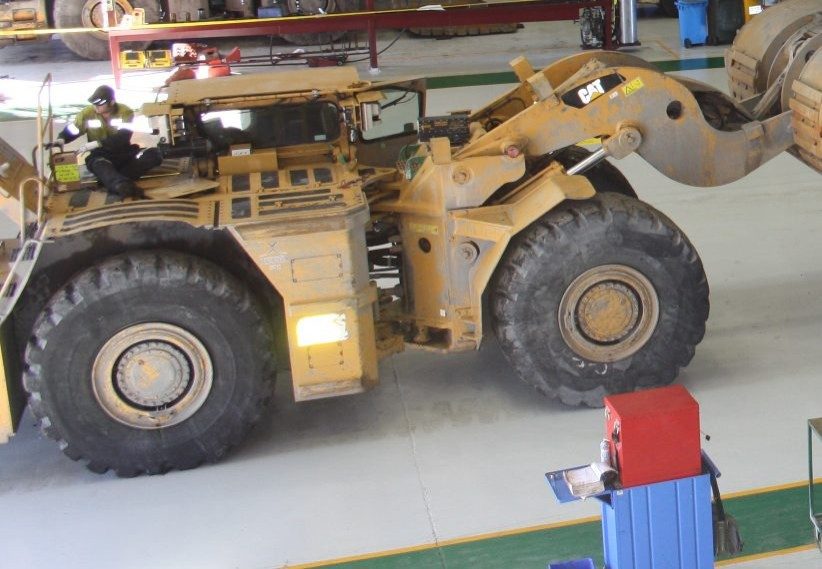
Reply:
x=152 y=375
x=608 y=313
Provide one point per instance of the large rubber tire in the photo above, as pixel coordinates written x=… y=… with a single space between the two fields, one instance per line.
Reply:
x=86 y=14
x=597 y=297
x=148 y=362
x=311 y=7
x=669 y=8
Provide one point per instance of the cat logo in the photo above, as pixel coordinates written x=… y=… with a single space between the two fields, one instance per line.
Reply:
x=587 y=93
x=591 y=92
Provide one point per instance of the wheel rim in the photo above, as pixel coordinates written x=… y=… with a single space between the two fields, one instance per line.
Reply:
x=152 y=376
x=311 y=6
x=92 y=15
x=608 y=313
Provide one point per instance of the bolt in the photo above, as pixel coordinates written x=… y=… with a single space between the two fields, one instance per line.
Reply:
x=512 y=151
x=461 y=176
x=468 y=251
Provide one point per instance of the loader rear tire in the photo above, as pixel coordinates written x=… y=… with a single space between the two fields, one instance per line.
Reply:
x=149 y=362
x=86 y=14
x=598 y=297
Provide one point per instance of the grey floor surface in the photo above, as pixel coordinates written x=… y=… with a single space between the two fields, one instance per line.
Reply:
x=450 y=446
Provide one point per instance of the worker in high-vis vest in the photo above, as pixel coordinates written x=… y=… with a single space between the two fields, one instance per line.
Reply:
x=113 y=159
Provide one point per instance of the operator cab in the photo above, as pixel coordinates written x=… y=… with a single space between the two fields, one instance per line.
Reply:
x=272 y=126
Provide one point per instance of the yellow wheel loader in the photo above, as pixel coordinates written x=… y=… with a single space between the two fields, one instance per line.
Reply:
x=318 y=213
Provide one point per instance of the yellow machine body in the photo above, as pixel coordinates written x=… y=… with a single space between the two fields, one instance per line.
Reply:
x=357 y=233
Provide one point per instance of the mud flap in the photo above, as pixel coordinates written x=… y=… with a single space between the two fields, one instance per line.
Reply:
x=12 y=396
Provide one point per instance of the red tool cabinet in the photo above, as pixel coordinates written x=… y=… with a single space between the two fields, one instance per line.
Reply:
x=654 y=435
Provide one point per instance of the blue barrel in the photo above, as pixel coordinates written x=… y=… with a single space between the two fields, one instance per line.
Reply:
x=693 y=22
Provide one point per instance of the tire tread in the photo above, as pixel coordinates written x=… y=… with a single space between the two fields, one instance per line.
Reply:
x=554 y=230
x=114 y=275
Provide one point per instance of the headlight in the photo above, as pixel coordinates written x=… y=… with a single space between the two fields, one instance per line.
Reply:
x=321 y=329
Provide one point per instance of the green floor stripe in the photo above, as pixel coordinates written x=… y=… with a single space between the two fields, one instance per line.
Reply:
x=690 y=64
x=773 y=521
x=530 y=549
x=475 y=80
x=768 y=522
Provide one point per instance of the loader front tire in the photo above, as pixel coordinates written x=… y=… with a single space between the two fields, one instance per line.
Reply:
x=149 y=362
x=597 y=297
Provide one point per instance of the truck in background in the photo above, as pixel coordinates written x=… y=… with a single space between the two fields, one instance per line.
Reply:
x=26 y=15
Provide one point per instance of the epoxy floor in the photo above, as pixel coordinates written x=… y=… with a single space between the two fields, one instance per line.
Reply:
x=449 y=446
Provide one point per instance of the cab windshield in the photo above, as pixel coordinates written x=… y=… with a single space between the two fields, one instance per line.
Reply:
x=272 y=126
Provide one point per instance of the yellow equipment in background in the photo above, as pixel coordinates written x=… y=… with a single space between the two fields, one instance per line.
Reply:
x=751 y=8
x=130 y=59
x=152 y=58
x=156 y=58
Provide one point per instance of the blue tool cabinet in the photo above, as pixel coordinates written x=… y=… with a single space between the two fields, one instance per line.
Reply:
x=666 y=525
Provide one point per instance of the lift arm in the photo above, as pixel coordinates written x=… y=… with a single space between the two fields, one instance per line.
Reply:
x=689 y=131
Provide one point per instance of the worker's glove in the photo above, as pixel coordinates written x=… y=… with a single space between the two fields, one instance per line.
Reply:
x=55 y=144
x=89 y=146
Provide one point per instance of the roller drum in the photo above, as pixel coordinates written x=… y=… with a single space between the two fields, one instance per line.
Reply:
x=806 y=104
x=759 y=43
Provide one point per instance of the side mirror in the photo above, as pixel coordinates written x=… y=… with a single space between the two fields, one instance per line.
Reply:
x=370 y=114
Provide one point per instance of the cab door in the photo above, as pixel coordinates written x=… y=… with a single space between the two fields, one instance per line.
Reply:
x=389 y=114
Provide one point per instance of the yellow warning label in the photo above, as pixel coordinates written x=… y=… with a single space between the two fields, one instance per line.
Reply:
x=67 y=172
x=633 y=86
x=428 y=228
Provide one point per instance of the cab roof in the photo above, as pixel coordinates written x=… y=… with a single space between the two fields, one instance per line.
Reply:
x=320 y=80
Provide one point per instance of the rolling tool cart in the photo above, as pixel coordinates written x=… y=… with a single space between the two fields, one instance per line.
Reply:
x=659 y=511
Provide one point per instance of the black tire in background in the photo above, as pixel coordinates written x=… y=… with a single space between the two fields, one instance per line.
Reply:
x=669 y=8
x=149 y=361
x=313 y=7
x=597 y=297
x=86 y=14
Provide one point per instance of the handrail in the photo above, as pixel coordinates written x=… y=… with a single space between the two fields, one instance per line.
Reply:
x=42 y=127
x=41 y=188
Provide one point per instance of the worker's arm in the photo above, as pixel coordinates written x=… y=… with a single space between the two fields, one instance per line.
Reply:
x=72 y=131
x=75 y=129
